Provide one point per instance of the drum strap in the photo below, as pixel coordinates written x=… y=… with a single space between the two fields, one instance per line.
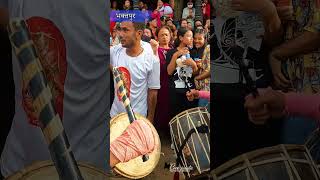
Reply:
x=201 y=129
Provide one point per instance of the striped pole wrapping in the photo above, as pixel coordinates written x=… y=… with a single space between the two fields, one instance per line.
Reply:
x=51 y=125
x=125 y=99
x=123 y=94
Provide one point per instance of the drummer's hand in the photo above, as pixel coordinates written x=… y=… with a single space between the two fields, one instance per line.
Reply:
x=269 y=104
x=194 y=94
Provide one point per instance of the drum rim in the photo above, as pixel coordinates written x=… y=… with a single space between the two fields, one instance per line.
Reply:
x=36 y=165
x=187 y=110
x=252 y=155
x=157 y=150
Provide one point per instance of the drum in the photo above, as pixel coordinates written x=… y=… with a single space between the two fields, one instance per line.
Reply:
x=282 y=162
x=46 y=170
x=313 y=144
x=192 y=128
x=135 y=168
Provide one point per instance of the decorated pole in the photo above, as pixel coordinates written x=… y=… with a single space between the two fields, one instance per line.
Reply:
x=42 y=101
x=125 y=99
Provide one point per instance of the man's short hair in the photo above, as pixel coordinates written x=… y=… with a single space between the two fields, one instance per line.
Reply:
x=139 y=26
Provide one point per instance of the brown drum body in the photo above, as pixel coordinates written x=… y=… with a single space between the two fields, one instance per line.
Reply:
x=135 y=168
x=282 y=162
x=45 y=170
x=196 y=154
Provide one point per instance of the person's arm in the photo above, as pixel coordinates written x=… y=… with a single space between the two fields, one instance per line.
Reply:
x=113 y=160
x=303 y=44
x=276 y=104
x=152 y=103
x=153 y=86
x=185 y=13
x=204 y=75
x=273 y=28
x=172 y=65
x=303 y=105
x=307 y=42
x=268 y=12
x=204 y=95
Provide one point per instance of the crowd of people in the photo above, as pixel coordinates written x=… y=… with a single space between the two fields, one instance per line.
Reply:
x=183 y=53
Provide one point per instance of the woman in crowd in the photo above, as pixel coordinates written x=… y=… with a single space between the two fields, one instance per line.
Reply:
x=181 y=69
x=202 y=80
x=162 y=118
x=189 y=12
x=163 y=9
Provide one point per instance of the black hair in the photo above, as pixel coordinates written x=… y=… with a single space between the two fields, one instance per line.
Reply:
x=139 y=26
x=164 y=27
x=199 y=31
x=181 y=32
x=183 y=19
x=163 y=18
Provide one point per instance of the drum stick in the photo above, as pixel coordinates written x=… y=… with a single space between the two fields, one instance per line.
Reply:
x=50 y=122
x=125 y=100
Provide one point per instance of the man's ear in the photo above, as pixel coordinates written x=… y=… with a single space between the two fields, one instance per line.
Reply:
x=140 y=33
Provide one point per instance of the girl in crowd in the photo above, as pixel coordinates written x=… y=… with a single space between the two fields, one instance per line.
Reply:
x=202 y=80
x=164 y=35
x=127 y=5
x=181 y=69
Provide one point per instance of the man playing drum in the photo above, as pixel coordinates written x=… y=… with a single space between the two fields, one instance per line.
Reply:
x=140 y=71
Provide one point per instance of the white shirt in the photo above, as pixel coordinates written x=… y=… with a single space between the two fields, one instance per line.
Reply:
x=71 y=37
x=144 y=73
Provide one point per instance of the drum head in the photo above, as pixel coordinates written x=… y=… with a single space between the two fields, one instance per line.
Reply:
x=135 y=168
x=46 y=170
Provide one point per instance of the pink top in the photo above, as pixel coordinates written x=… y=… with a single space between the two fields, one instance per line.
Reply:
x=204 y=95
x=304 y=105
